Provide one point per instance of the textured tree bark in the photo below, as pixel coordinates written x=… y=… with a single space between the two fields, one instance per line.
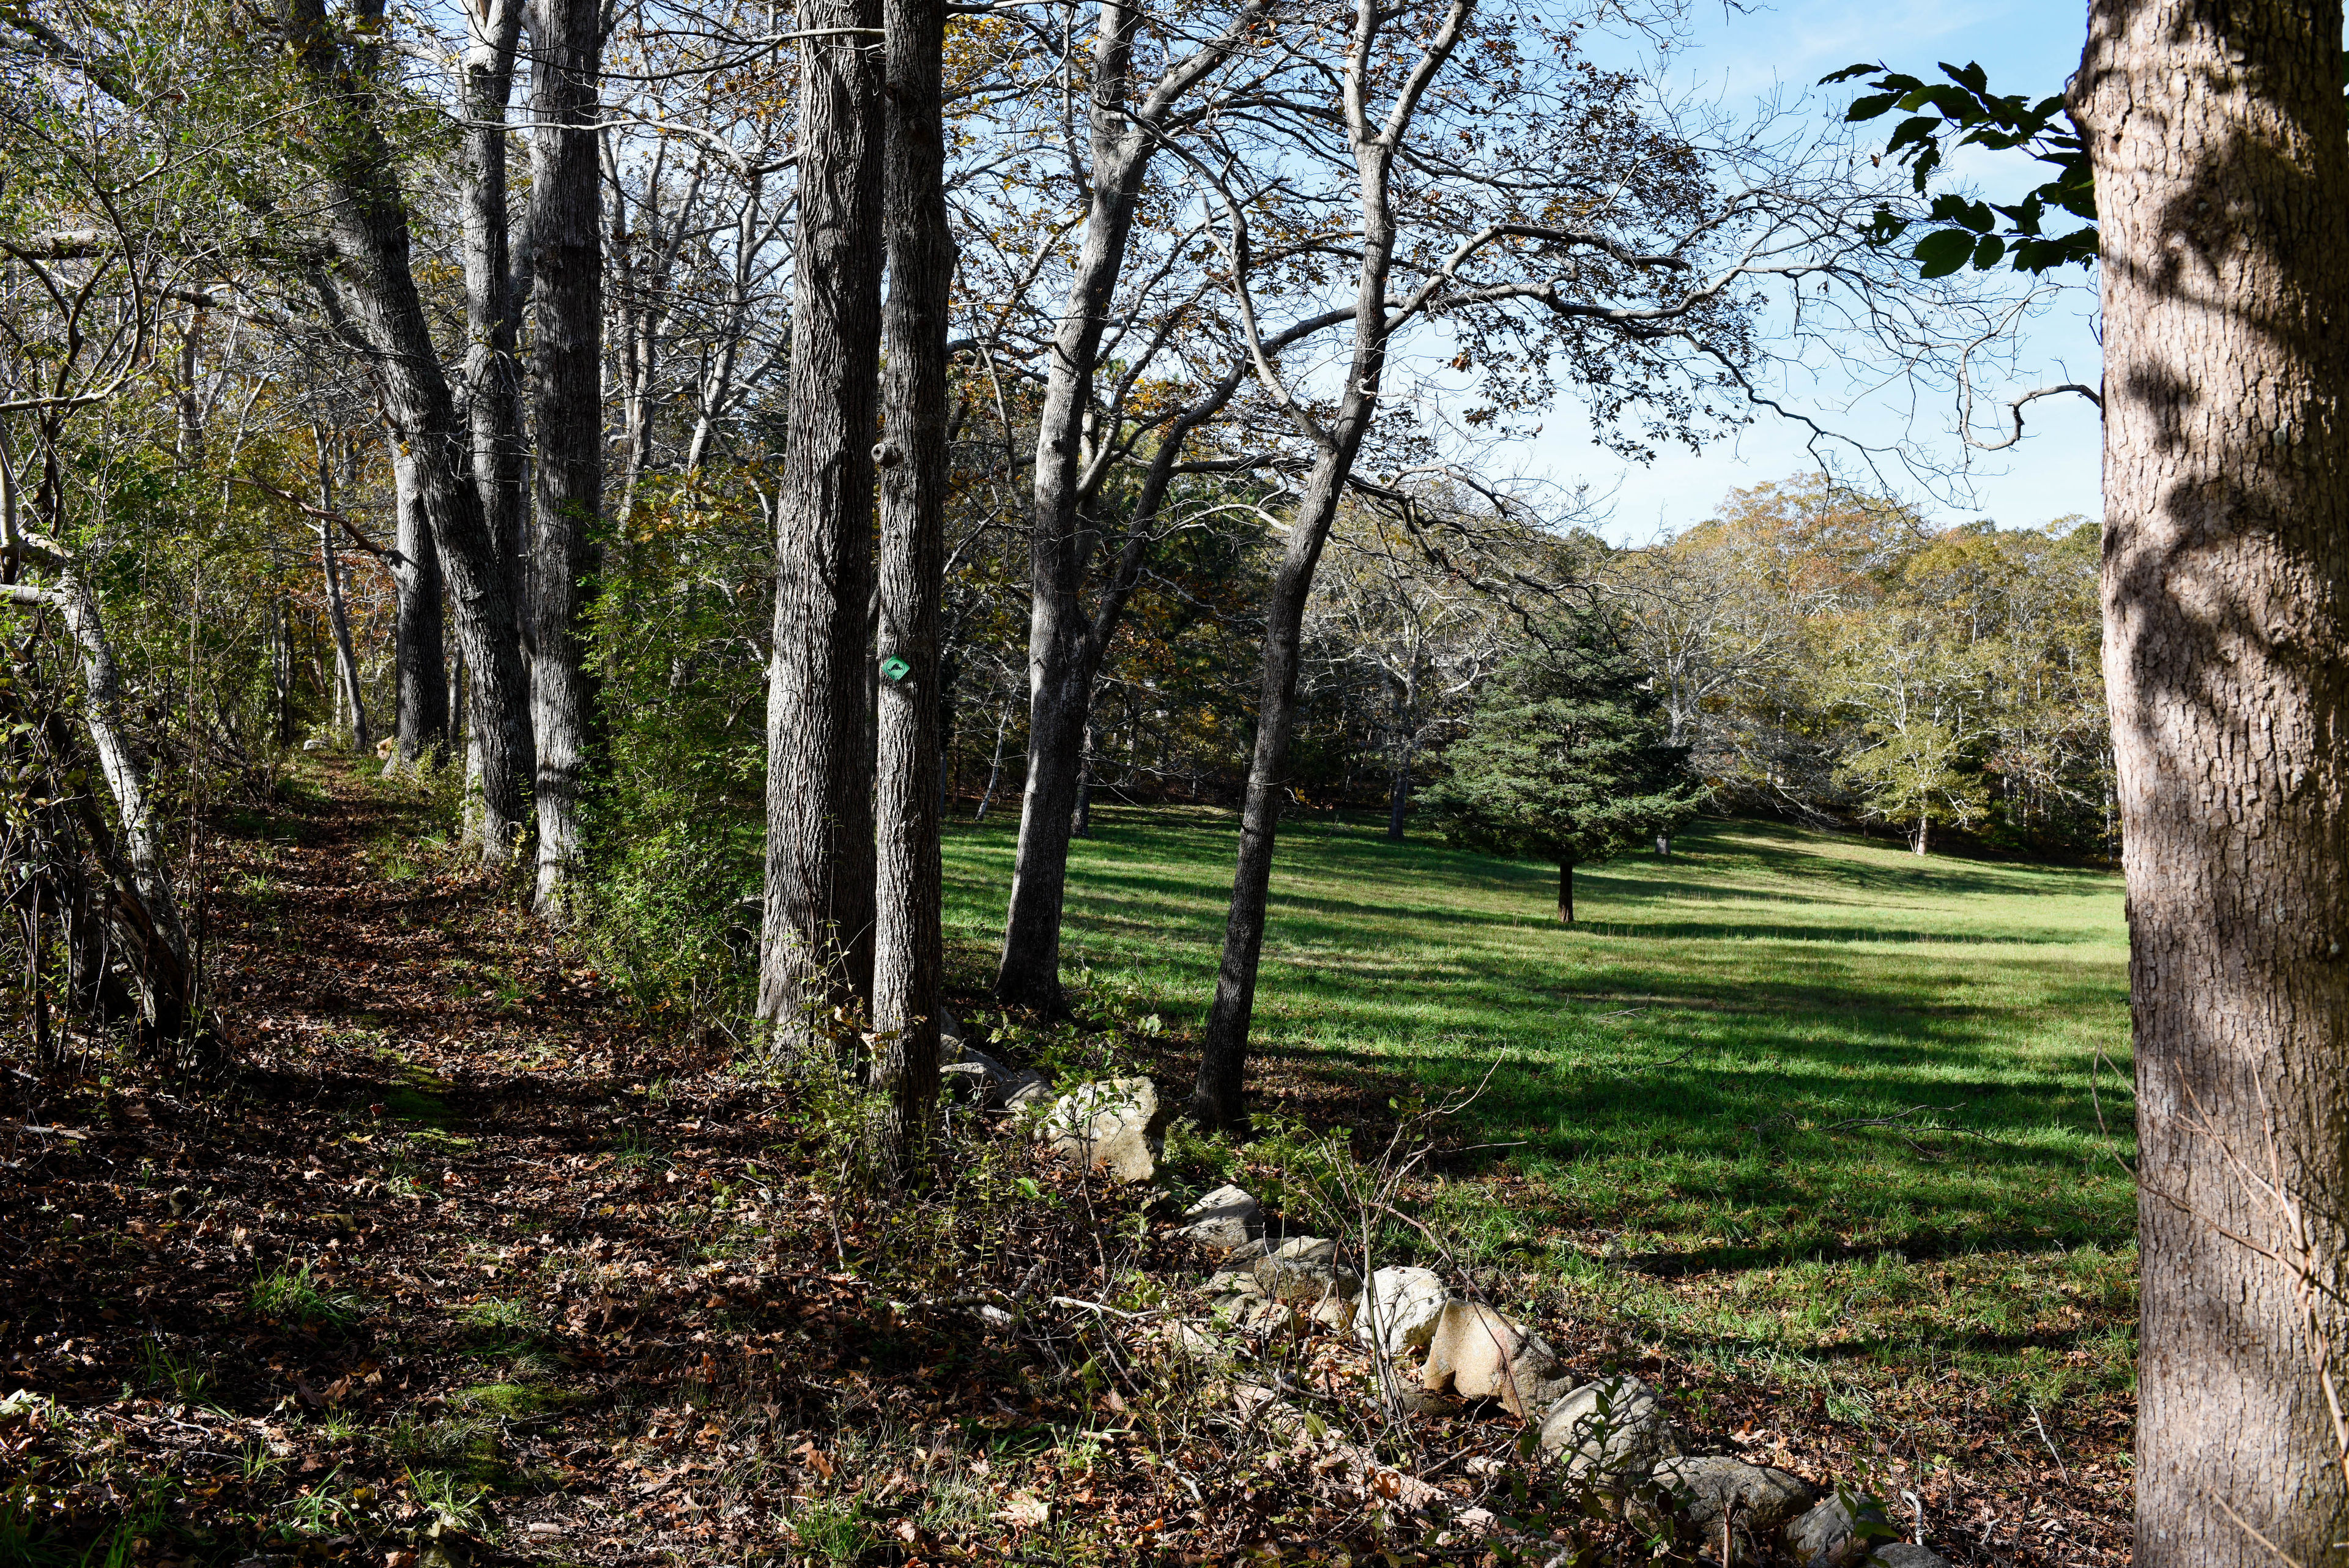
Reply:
x=909 y=953
x=566 y=348
x=2222 y=161
x=1918 y=841
x=1565 y=892
x=420 y=726
x=492 y=324
x=816 y=938
x=373 y=292
x=1060 y=679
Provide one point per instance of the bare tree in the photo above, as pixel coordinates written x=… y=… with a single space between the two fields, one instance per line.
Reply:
x=1640 y=302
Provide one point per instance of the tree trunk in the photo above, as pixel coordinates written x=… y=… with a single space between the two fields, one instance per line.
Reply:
x=1664 y=845
x=1565 y=892
x=2221 y=162
x=1059 y=685
x=1399 y=793
x=492 y=323
x=281 y=667
x=909 y=955
x=372 y=292
x=995 y=766
x=144 y=909
x=566 y=349
x=1917 y=843
x=816 y=939
x=1081 y=817
x=1216 y=1099
x=346 y=664
x=420 y=725
x=1065 y=647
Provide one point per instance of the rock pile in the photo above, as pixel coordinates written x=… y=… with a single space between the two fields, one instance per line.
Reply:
x=1611 y=1436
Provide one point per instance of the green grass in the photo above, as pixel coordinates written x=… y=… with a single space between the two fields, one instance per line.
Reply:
x=1788 y=1094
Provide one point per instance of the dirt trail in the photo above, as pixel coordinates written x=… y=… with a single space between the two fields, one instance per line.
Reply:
x=457 y=1236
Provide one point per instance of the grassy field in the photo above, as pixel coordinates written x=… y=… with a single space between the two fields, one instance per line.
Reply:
x=1788 y=1100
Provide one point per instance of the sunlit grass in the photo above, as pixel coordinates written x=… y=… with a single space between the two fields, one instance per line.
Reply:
x=1789 y=1091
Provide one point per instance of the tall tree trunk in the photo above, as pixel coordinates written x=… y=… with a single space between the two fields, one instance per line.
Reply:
x=1399 y=782
x=346 y=664
x=492 y=324
x=372 y=291
x=1565 y=892
x=816 y=938
x=2221 y=162
x=1918 y=841
x=339 y=620
x=1064 y=646
x=1217 y=1098
x=421 y=727
x=1059 y=684
x=909 y=954
x=567 y=249
x=281 y=667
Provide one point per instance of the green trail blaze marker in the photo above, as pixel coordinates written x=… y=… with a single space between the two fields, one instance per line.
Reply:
x=895 y=669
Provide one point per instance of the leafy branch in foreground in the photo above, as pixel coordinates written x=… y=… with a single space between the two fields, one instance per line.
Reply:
x=1965 y=112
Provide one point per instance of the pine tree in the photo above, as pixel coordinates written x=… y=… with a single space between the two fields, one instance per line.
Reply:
x=1568 y=757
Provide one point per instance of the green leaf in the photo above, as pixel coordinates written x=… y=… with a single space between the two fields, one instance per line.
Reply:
x=1871 y=106
x=1988 y=253
x=1943 y=251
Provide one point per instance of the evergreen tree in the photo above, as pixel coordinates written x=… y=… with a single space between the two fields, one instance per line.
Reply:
x=1568 y=757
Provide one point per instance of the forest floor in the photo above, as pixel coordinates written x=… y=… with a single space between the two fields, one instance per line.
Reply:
x=467 y=1258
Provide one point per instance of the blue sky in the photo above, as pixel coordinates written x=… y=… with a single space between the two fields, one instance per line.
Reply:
x=1739 y=55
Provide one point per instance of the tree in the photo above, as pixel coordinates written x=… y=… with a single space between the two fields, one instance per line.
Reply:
x=1079 y=438
x=567 y=351
x=1467 y=138
x=909 y=954
x=371 y=294
x=2221 y=167
x=1919 y=694
x=816 y=944
x=1569 y=758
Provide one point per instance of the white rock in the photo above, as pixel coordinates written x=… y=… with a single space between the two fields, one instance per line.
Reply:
x=1480 y=1353
x=1225 y=1220
x=1304 y=1269
x=1610 y=1432
x=1755 y=1501
x=1110 y=1127
x=1406 y=1304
